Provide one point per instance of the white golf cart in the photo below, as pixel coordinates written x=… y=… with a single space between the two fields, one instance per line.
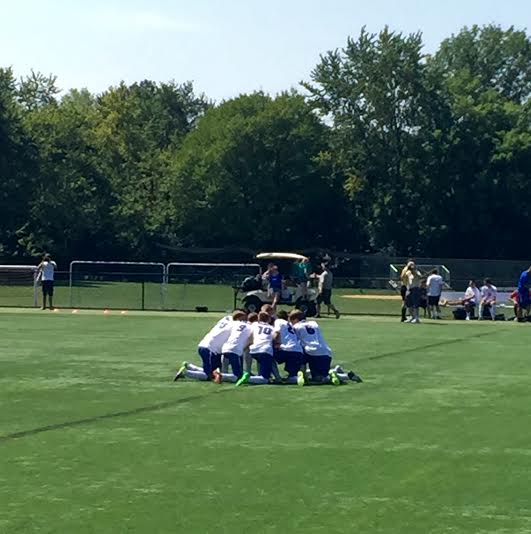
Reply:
x=298 y=295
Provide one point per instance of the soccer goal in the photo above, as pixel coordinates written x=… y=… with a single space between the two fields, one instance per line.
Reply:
x=18 y=285
x=206 y=286
x=117 y=285
x=425 y=269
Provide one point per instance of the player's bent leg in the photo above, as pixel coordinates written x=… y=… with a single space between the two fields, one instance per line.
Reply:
x=197 y=375
x=235 y=364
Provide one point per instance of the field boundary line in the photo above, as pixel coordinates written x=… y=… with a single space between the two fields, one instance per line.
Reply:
x=425 y=347
x=124 y=413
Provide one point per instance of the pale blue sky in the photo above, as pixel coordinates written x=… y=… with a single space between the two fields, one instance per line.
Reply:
x=225 y=47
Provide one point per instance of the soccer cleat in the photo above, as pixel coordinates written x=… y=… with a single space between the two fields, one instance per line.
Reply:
x=338 y=315
x=354 y=377
x=244 y=379
x=181 y=371
x=217 y=376
x=334 y=378
x=301 y=381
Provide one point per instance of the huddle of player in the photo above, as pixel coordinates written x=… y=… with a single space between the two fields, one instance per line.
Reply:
x=237 y=341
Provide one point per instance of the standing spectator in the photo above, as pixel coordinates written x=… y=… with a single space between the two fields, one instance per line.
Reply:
x=274 y=284
x=301 y=274
x=524 y=300
x=403 y=290
x=489 y=295
x=413 y=296
x=326 y=282
x=46 y=274
x=435 y=284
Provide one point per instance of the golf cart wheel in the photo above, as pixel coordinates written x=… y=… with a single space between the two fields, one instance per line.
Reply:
x=252 y=304
x=307 y=307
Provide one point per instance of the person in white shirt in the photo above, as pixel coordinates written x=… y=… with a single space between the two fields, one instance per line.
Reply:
x=318 y=354
x=489 y=295
x=471 y=299
x=46 y=274
x=288 y=348
x=434 y=286
x=234 y=348
x=209 y=351
x=261 y=350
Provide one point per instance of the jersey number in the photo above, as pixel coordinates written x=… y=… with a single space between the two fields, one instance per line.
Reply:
x=267 y=331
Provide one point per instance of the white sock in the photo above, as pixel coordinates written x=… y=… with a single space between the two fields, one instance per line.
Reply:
x=229 y=377
x=192 y=367
x=343 y=377
x=493 y=311
x=291 y=380
x=196 y=375
x=257 y=379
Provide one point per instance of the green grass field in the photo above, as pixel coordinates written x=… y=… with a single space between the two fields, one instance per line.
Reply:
x=95 y=437
x=185 y=297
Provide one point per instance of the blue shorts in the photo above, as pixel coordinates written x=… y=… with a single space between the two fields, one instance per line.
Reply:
x=524 y=300
x=293 y=361
x=235 y=362
x=265 y=364
x=211 y=361
x=319 y=365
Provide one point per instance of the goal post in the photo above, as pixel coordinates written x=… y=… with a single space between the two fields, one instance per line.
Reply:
x=211 y=286
x=19 y=285
x=117 y=284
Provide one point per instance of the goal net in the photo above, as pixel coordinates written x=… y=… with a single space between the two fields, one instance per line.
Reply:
x=211 y=286
x=18 y=285
x=117 y=285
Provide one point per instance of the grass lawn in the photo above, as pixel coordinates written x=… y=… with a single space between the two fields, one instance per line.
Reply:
x=95 y=438
x=185 y=297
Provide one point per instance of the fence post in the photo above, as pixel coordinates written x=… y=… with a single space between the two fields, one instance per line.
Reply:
x=143 y=295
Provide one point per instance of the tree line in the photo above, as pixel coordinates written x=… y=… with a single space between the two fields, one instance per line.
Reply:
x=383 y=149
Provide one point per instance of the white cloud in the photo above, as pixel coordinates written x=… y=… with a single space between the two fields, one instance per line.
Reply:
x=139 y=21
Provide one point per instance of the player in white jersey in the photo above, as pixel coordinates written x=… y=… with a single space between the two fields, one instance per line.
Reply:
x=261 y=350
x=209 y=350
x=489 y=295
x=234 y=348
x=288 y=348
x=317 y=353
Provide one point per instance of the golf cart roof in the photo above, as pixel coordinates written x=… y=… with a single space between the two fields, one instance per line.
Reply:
x=280 y=256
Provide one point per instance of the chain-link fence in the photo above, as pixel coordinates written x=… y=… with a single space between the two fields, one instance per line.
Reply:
x=361 y=285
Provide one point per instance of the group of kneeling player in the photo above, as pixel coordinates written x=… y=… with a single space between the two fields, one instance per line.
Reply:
x=268 y=339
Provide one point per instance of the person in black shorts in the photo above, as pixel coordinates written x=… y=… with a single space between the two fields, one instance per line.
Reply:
x=46 y=274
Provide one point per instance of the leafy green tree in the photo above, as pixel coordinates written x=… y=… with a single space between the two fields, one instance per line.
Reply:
x=16 y=167
x=139 y=127
x=255 y=173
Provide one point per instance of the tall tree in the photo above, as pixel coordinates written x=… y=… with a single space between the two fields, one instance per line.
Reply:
x=254 y=173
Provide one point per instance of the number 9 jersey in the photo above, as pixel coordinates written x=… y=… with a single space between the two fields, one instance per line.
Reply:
x=312 y=339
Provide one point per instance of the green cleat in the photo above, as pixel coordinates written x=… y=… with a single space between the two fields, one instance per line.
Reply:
x=244 y=379
x=181 y=371
x=334 y=378
x=301 y=381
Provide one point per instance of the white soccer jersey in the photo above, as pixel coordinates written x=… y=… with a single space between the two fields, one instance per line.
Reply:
x=218 y=336
x=312 y=339
x=474 y=293
x=289 y=342
x=489 y=293
x=238 y=339
x=262 y=339
x=434 y=284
